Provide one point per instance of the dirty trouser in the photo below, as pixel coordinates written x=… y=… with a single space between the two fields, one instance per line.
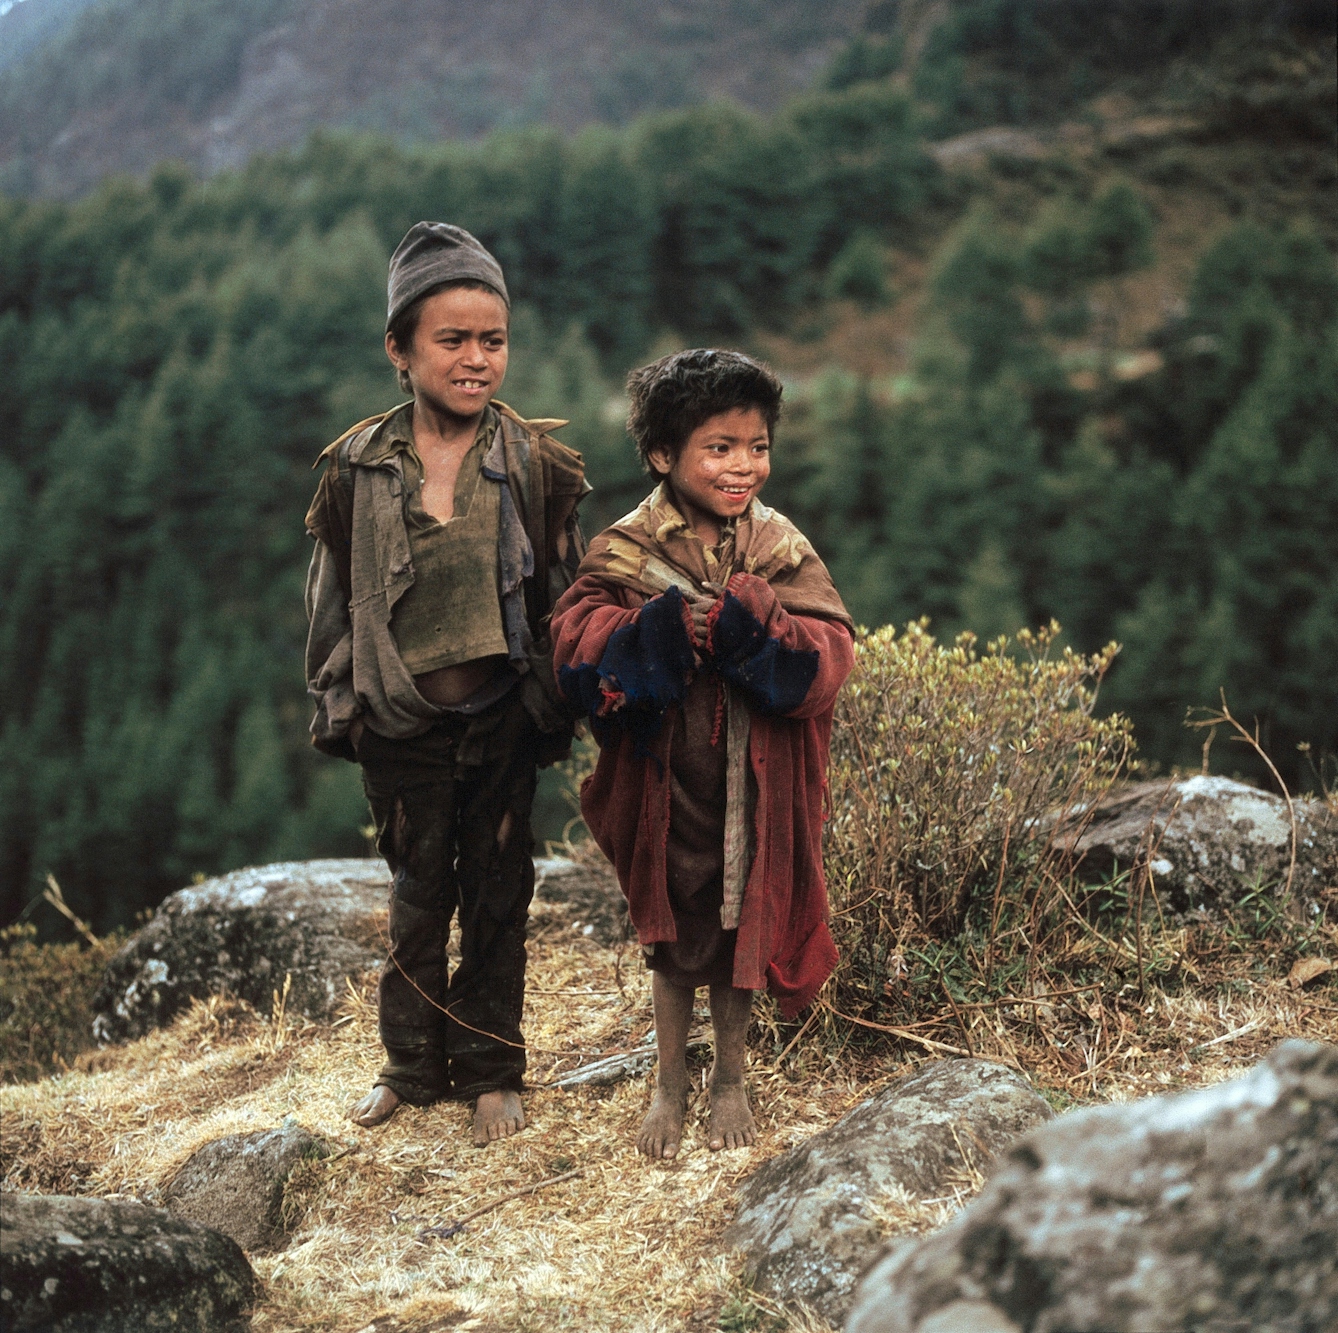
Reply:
x=452 y=816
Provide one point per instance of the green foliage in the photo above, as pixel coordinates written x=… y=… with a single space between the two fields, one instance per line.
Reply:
x=948 y=870
x=1192 y=513
x=1118 y=238
x=977 y=292
x=865 y=59
x=46 y=996
x=1246 y=595
x=1067 y=248
x=1019 y=62
x=865 y=165
x=959 y=782
x=1057 y=258
x=179 y=353
x=151 y=629
x=606 y=227
x=743 y=1314
x=858 y=273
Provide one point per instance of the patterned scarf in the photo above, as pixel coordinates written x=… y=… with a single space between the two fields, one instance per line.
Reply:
x=654 y=548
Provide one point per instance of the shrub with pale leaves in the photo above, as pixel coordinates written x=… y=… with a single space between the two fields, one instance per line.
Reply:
x=949 y=767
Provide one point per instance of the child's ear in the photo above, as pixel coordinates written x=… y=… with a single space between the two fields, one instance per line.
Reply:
x=660 y=462
x=396 y=357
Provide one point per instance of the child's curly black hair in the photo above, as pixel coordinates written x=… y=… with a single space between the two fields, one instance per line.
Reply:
x=671 y=397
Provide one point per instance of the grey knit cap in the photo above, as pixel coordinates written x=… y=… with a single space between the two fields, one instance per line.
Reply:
x=432 y=253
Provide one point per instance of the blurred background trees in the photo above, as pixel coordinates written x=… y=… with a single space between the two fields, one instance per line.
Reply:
x=1037 y=438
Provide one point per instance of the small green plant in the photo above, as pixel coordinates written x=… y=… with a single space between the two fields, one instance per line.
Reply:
x=952 y=771
x=960 y=783
x=742 y=1314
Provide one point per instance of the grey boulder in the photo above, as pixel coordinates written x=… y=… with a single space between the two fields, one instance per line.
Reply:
x=72 y=1265
x=244 y=933
x=807 y=1221
x=1212 y=840
x=236 y=1184
x=1214 y=1211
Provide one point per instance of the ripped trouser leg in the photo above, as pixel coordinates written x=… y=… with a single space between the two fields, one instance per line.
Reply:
x=452 y=813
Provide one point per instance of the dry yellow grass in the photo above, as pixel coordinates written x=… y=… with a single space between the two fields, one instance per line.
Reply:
x=625 y=1245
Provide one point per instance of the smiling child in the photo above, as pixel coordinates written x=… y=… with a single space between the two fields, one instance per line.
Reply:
x=444 y=531
x=706 y=641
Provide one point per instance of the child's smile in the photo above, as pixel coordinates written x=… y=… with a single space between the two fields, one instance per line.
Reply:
x=721 y=466
x=458 y=356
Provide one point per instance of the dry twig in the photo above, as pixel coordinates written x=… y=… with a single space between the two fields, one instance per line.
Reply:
x=449 y=1229
x=1223 y=717
x=53 y=896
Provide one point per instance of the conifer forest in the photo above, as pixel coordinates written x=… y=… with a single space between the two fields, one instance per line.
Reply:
x=1044 y=440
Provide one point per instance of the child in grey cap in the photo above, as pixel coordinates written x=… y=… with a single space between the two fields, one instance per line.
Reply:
x=445 y=530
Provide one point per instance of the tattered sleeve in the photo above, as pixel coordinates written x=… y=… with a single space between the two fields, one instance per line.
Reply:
x=329 y=656
x=787 y=665
x=619 y=658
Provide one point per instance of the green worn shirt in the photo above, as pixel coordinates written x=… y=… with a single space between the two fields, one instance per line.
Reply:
x=452 y=613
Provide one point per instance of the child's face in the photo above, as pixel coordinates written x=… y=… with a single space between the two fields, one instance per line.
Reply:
x=459 y=354
x=722 y=464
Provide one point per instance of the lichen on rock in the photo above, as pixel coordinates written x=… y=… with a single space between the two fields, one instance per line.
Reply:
x=1209 y=839
x=71 y=1265
x=808 y=1220
x=309 y=924
x=1215 y=1209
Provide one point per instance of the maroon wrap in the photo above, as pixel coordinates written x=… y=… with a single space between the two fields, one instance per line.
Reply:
x=784 y=944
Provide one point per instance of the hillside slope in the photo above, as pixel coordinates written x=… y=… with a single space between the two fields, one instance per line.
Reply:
x=622 y=1244
x=25 y=26
x=135 y=82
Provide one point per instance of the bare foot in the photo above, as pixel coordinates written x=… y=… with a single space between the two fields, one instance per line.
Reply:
x=662 y=1129
x=375 y=1108
x=497 y=1115
x=731 y=1124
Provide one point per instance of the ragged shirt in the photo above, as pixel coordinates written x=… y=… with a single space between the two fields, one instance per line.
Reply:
x=363 y=565
x=452 y=612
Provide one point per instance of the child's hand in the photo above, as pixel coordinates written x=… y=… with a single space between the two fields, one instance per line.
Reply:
x=699 y=607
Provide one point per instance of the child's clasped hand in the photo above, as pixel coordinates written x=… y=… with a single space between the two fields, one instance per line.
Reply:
x=699 y=607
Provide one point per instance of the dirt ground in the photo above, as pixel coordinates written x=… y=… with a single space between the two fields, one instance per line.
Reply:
x=620 y=1245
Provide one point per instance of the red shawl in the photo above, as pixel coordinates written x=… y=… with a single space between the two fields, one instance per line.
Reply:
x=784 y=637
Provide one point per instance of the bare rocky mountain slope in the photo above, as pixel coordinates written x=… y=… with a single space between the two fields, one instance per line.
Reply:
x=260 y=76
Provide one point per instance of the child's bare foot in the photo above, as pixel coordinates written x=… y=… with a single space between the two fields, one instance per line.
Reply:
x=497 y=1115
x=731 y=1124
x=662 y=1129
x=376 y=1107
